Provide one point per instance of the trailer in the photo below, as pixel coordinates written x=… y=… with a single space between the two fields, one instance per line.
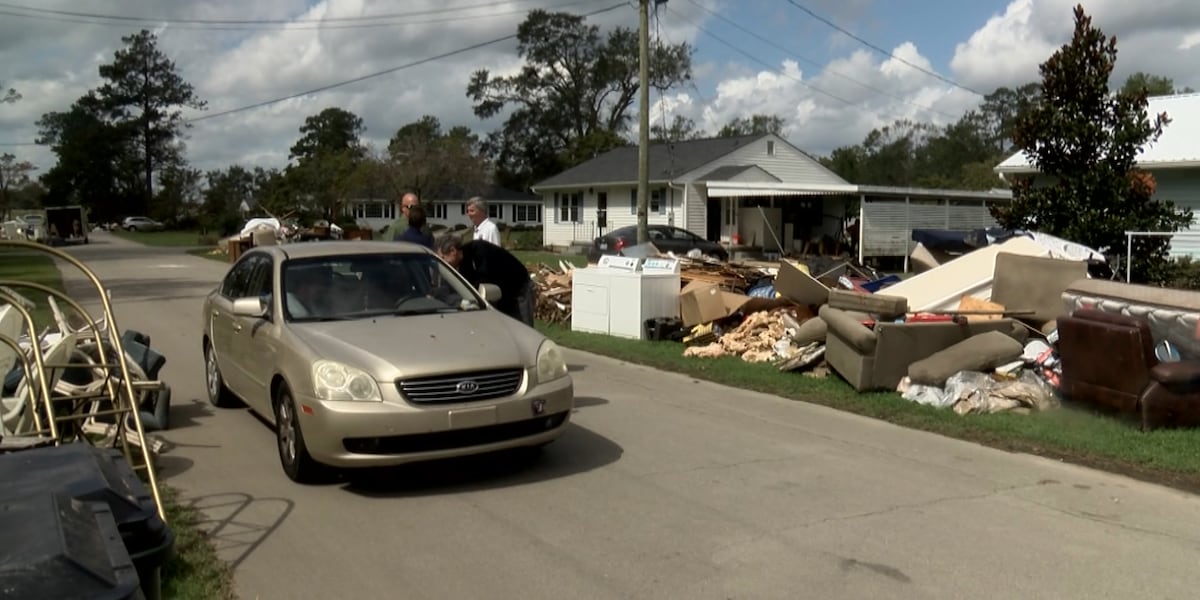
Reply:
x=66 y=225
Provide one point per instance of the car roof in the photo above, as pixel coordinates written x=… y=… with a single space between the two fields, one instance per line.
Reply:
x=333 y=248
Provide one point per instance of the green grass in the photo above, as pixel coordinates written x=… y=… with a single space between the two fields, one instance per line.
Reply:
x=34 y=267
x=1168 y=457
x=532 y=257
x=193 y=570
x=172 y=239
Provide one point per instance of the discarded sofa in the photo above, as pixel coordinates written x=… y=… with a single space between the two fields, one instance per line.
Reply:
x=1109 y=363
x=878 y=357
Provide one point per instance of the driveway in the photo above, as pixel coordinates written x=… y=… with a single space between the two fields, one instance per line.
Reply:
x=665 y=487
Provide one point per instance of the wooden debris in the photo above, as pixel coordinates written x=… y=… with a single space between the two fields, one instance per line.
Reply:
x=553 y=288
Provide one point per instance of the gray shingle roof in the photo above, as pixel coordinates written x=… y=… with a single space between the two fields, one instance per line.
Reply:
x=666 y=161
x=728 y=172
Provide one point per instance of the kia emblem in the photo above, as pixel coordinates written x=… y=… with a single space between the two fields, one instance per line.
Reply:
x=467 y=387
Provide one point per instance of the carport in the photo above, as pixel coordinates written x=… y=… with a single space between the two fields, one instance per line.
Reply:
x=801 y=216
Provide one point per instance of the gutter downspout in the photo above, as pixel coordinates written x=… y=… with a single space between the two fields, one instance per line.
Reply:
x=671 y=212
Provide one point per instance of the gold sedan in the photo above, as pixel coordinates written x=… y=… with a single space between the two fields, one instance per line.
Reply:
x=377 y=353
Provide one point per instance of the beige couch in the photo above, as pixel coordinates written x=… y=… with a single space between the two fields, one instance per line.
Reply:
x=877 y=359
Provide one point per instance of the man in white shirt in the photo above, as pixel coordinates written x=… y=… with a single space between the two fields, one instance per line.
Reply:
x=485 y=228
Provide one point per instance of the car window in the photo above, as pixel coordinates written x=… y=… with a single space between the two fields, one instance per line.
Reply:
x=237 y=281
x=682 y=235
x=359 y=286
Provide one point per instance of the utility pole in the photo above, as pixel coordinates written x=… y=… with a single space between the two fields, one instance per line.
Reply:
x=643 y=189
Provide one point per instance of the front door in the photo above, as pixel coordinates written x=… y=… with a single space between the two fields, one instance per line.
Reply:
x=602 y=211
x=713 y=221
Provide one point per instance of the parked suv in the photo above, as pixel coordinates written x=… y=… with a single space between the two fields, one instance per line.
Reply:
x=666 y=238
x=141 y=224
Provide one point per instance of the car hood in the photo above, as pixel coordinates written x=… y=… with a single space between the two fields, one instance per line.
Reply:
x=391 y=347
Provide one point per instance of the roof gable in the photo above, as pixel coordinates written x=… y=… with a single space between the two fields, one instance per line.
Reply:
x=1178 y=146
x=667 y=161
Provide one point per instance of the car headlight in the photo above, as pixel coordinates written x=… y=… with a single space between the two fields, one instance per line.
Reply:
x=335 y=381
x=550 y=362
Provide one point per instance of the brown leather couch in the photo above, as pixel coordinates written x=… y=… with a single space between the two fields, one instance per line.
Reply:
x=1108 y=362
x=878 y=358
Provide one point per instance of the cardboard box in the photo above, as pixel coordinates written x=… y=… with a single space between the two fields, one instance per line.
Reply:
x=702 y=302
x=799 y=287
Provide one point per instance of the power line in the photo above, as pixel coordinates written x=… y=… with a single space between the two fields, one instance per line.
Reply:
x=775 y=45
x=880 y=50
x=735 y=48
x=279 y=25
x=378 y=73
x=70 y=13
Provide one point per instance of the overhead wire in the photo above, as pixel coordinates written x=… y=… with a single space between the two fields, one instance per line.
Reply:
x=372 y=22
x=881 y=50
x=376 y=74
x=739 y=50
x=801 y=58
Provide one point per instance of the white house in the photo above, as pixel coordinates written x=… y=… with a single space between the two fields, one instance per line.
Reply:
x=373 y=213
x=757 y=191
x=1174 y=161
x=504 y=206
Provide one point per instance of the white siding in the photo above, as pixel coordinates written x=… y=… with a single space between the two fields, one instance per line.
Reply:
x=695 y=210
x=582 y=225
x=450 y=213
x=888 y=222
x=788 y=164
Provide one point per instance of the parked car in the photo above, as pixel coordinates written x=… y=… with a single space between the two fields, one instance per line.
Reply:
x=368 y=353
x=666 y=238
x=141 y=224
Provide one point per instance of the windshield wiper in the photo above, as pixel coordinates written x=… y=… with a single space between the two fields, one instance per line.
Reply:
x=407 y=312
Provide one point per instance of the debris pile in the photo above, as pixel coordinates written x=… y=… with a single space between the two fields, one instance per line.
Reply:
x=553 y=288
x=993 y=328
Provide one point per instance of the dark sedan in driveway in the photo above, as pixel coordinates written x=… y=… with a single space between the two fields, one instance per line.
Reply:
x=666 y=238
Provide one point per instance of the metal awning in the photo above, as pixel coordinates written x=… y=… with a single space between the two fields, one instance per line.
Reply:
x=740 y=189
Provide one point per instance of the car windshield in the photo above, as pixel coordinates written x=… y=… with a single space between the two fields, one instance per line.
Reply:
x=334 y=288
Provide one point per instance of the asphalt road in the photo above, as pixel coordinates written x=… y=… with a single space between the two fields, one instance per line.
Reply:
x=664 y=487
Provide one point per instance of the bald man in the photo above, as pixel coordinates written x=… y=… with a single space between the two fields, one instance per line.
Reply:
x=407 y=201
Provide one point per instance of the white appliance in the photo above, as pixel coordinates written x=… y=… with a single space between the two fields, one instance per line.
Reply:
x=617 y=296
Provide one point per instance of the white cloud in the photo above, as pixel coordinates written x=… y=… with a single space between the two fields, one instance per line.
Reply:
x=1007 y=50
x=52 y=63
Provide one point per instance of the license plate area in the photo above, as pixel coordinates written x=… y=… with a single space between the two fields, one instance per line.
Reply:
x=467 y=418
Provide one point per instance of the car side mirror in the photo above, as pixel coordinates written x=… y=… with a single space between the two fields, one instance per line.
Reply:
x=490 y=292
x=249 y=307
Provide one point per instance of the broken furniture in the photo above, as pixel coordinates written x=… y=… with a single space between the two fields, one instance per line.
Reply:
x=59 y=418
x=1108 y=363
x=878 y=357
x=1173 y=315
x=1035 y=284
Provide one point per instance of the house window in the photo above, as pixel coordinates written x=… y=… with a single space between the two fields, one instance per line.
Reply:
x=770 y=148
x=375 y=210
x=527 y=213
x=656 y=201
x=496 y=211
x=439 y=210
x=569 y=207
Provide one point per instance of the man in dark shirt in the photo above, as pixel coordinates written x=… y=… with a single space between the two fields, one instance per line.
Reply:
x=484 y=262
x=416 y=232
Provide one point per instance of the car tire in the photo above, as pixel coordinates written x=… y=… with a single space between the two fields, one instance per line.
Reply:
x=297 y=463
x=218 y=395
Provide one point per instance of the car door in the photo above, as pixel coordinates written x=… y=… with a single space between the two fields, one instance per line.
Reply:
x=224 y=327
x=663 y=240
x=259 y=343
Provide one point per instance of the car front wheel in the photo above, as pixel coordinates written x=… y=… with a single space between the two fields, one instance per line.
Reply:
x=293 y=453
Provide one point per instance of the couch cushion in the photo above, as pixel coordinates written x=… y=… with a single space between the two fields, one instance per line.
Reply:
x=848 y=328
x=982 y=352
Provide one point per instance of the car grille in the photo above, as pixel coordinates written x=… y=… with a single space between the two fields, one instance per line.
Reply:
x=462 y=387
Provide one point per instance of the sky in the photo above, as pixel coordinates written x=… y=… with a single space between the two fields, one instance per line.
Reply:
x=832 y=69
